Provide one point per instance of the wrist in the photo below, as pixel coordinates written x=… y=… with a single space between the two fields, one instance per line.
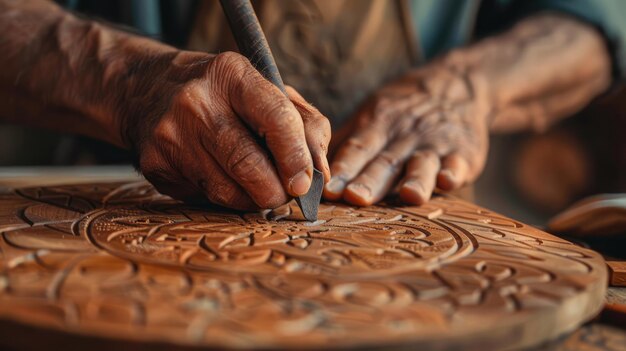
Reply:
x=148 y=84
x=77 y=78
x=136 y=79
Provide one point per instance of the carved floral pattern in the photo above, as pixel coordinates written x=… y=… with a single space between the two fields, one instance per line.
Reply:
x=121 y=261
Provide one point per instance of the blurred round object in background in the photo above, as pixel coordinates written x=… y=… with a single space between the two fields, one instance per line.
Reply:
x=552 y=170
x=596 y=216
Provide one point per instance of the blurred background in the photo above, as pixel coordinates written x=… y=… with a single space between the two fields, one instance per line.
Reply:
x=529 y=176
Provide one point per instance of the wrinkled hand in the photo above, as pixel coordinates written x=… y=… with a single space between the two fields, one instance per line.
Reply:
x=427 y=130
x=211 y=127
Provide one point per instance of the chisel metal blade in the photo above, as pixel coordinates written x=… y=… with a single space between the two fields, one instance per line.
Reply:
x=252 y=43
x=309 y=203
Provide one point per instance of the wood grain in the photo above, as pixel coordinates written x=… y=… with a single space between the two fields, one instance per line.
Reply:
x=117 y=263
x=617 y=271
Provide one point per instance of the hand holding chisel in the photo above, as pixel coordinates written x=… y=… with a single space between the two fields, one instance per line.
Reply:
x=252 y=44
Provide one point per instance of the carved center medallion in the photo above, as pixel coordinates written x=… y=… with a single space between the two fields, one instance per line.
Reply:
x=345 y=241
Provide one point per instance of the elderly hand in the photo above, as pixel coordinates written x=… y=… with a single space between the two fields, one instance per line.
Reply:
x=426 y=130
x=430 y=129
x=211 y=127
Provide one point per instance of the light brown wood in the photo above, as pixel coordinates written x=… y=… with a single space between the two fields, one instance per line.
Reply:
x=617 y=271
x=105 y=264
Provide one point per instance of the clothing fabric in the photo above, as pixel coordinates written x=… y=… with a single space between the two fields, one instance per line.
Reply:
x=337 y=52
x=439 y=24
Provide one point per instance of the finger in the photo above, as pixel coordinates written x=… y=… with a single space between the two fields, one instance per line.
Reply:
x=207 y=176
x=454 y=172
x=243 y=159
x=166 y=179
x=172 y=184
x=353 y=155
x=419 y=181
x=316 y=129
x=169 y=181
x=379 y=176
x=272 y=116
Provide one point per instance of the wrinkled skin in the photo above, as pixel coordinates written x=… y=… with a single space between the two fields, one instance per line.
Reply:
x=421 y=132
x=233 y=138
x=202 y=127
x=429 y=129
x=210 y=128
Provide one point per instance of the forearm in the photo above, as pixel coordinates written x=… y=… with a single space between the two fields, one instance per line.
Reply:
x=61 y=72
x=545 y=68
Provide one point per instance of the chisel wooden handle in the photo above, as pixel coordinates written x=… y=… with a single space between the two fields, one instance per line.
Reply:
x=250 y=39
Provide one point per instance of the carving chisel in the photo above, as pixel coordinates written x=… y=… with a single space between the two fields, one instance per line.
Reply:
x=252 y=44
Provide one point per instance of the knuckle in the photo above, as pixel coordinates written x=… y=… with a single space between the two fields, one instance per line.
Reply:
x=385 y=110
x=221 y=193
x=229 y=61
x=325 y=127
x=388 y=160
x=297 y=158
x=321 y=124
x=227 y=69
x=280 y=115
x=355 y=143
x=438 y=146
x=307 y=110
x=166 y=131
x=190 y=97
x=427 y=155
x=245 y=161
x=339 y=169
x=318 y=134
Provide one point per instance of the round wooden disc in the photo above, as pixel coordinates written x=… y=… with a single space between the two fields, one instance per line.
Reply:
x=119 y=264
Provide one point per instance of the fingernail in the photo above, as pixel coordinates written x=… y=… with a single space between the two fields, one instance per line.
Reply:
x=335 y=185
x=413 y=192
x=360 y=190
x=446 y=180
x=448 y=174
x=415 y=186
x=300 y=183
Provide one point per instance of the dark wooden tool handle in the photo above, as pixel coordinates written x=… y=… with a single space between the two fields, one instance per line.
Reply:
x=252 y=44
x=250 y=39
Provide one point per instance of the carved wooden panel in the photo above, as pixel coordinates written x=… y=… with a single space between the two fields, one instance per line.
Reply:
x=119 y=262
